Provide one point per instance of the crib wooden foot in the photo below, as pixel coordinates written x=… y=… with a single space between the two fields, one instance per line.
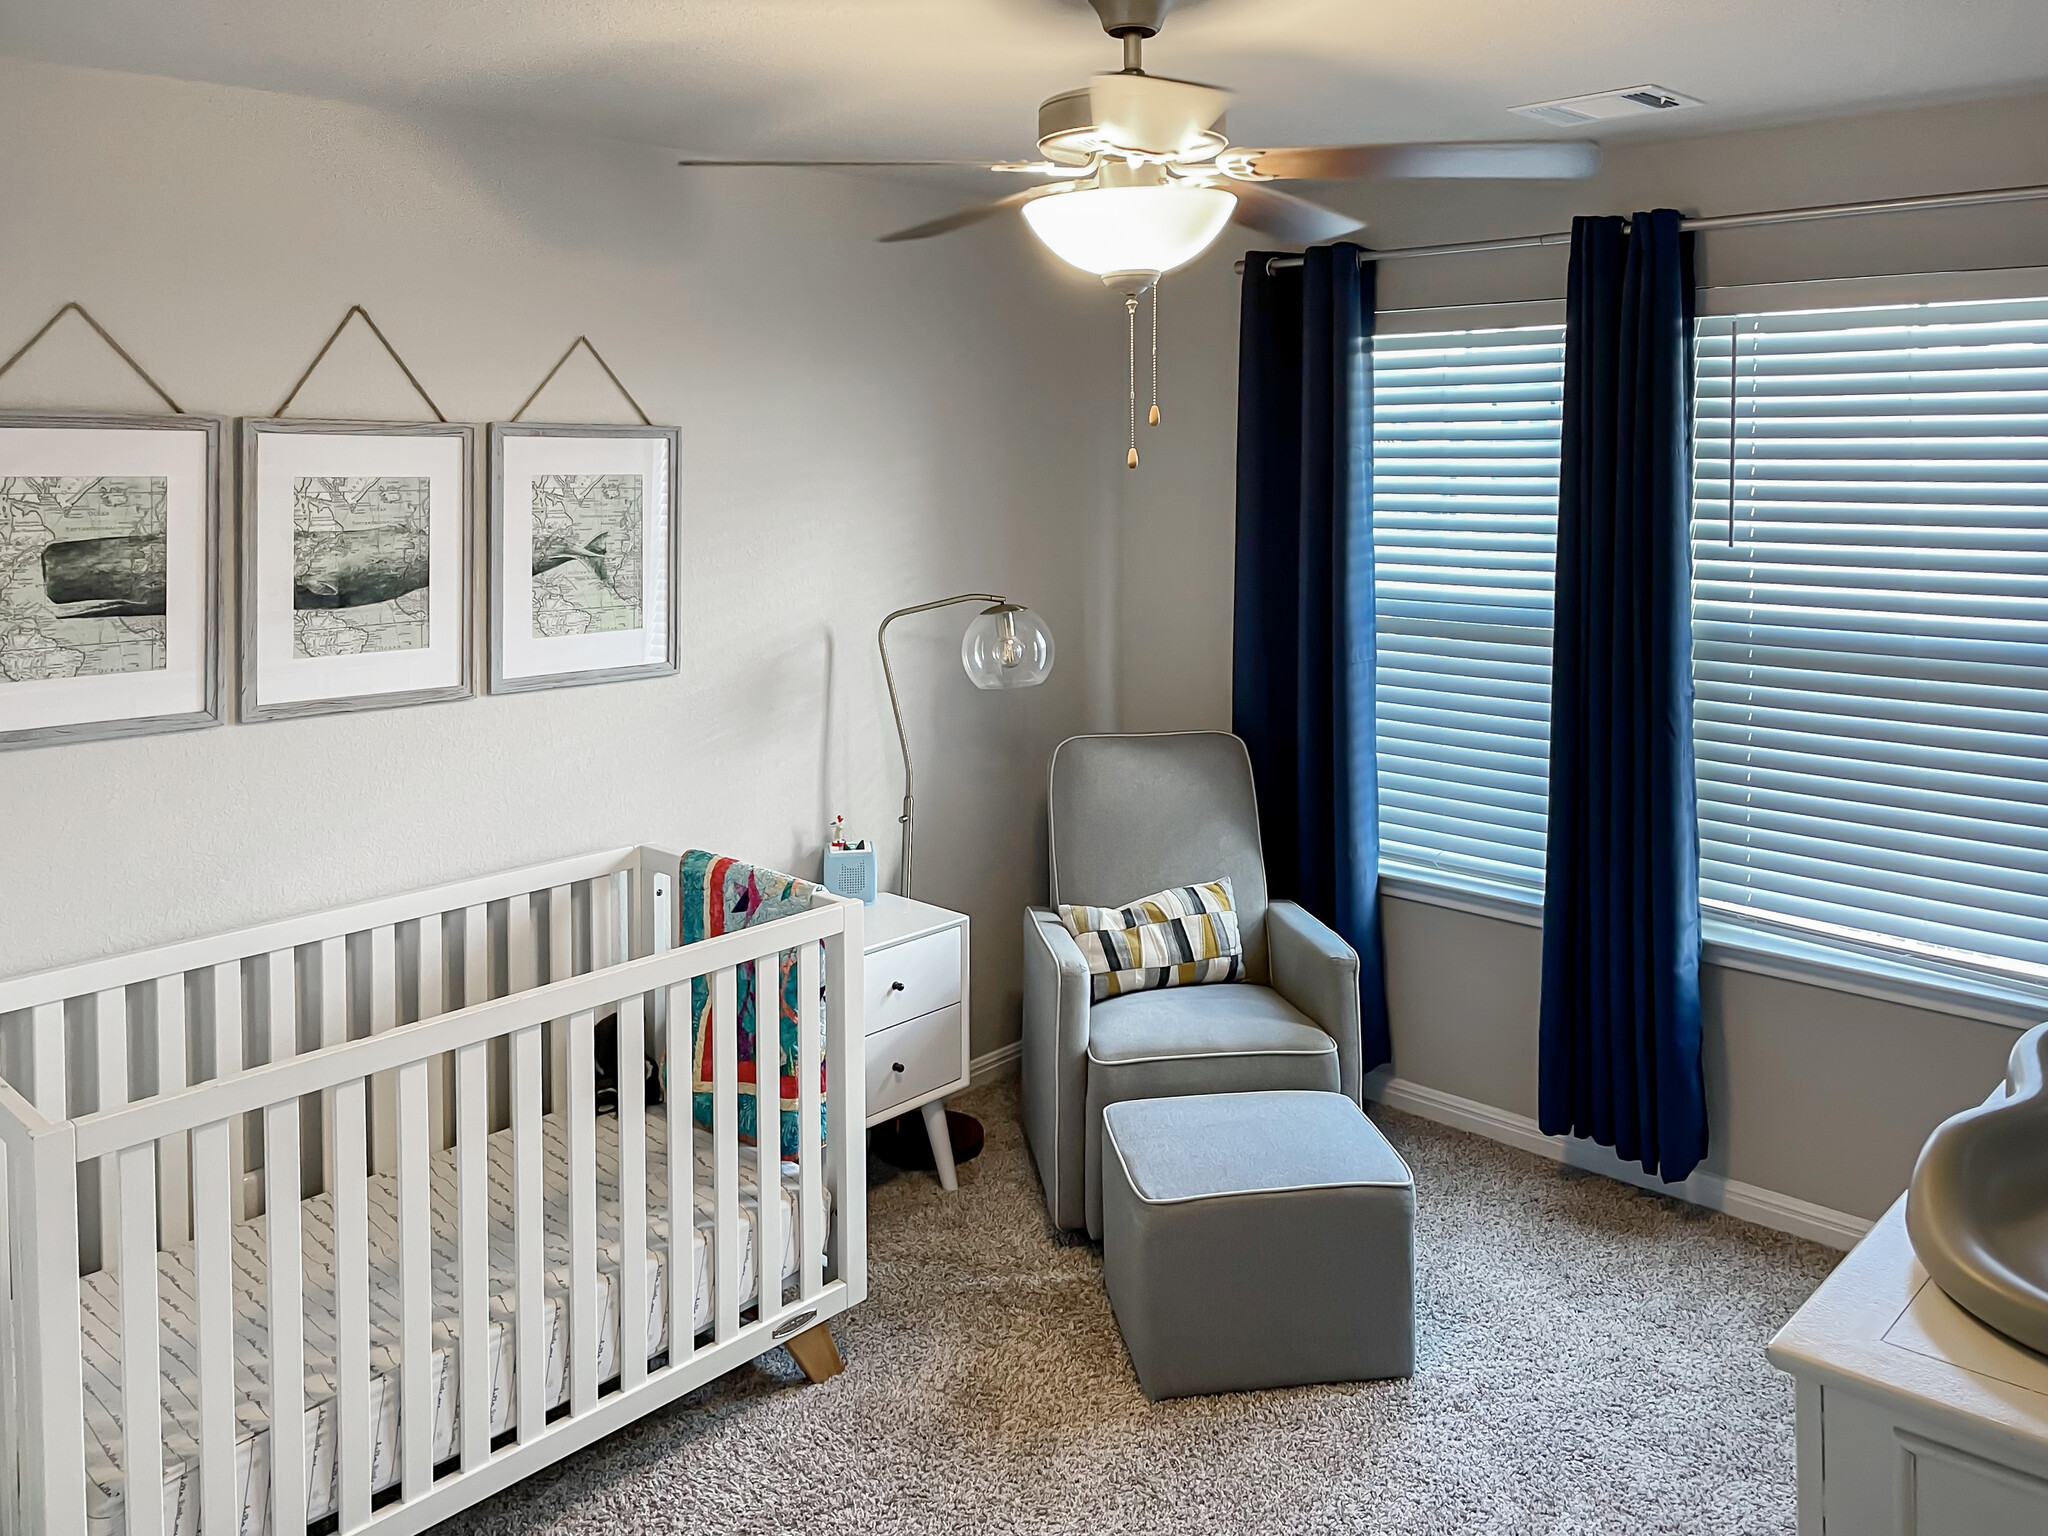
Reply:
x=815 y=1353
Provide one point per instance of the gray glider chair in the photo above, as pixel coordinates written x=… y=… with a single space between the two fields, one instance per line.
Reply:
x=1131 y=815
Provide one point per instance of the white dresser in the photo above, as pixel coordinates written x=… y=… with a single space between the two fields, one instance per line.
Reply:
x=1914 y=1418
x=916 y=1016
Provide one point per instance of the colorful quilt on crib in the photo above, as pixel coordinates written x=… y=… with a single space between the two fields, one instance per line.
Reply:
x=722 y=895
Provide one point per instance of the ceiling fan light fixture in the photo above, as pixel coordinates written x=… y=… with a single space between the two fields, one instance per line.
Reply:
x=1123 y=232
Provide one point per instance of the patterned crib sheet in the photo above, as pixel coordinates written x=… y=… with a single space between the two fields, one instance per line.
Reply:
x=100 y=1305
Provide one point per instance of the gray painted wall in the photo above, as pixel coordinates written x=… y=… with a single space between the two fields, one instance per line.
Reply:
x=863 y=427
x=1822 y=1095
x=1814 y=1093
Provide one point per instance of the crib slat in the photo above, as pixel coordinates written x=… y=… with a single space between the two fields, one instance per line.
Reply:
x=521 y=946
x=846 y=1153
x=229 y=1057
x=213 y=1285
x=634 y=1345
x=679 y=1119
x=383 y=1016
x=725 y=1154
x=768 y=1136
x=810 y=1114
x=281 y=1007
x=331 y=1016
x=173 y=1158
x=561 y=965
x=109 y=1033
x=11 y=1446
x=142 y=1428
x=433 y=994
x=10 y=1386
x=285 y=1309
x=473 y=1256
x=529 y=1242
x=416 y=1301
x=352 y=1302
x=476 y=956
x=46 y=1060
x=174 y=1187
x=580 y=1079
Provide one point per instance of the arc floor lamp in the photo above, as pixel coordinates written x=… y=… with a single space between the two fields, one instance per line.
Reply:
x=1007 y=646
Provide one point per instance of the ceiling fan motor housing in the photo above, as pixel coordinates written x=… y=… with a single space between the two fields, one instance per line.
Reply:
x=1145 y=115
x=1140 y=18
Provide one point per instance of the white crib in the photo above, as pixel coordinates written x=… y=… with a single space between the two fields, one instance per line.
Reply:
x=366 y=1140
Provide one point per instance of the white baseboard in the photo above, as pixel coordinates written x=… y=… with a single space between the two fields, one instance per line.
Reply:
x=984 y=1068
x=1765 y=1207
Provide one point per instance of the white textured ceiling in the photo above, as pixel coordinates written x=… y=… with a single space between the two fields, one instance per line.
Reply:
x=924 y=77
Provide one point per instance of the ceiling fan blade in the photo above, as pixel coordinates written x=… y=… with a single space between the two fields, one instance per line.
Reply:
x=831 y=164
x=1551 y=160
x=1295 y=220
x=967 y=216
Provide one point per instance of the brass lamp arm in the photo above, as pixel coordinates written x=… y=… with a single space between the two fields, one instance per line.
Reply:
x=909 y=816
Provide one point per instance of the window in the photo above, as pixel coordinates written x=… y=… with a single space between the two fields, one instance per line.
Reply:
x=1870 y=620
x=1464 y=514
x=1871 y=626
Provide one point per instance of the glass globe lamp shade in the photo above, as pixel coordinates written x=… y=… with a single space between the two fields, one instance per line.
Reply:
x=1006 y=647
x=1112 y=231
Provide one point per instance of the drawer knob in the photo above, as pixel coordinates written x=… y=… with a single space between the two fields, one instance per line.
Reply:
x=895 y=986
x=895 y=1066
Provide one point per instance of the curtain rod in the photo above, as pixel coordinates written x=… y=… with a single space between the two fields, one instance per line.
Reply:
x=1718 y=221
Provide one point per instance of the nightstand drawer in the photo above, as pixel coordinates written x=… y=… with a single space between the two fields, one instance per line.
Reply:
x=912 y=1060
x=908 y=980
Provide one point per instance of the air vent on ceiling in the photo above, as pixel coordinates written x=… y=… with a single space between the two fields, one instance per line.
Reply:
x=1630 y=101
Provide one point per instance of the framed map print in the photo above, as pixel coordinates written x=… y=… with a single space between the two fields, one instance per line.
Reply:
x=355 y=565
x=584 y=563
x=110 y=558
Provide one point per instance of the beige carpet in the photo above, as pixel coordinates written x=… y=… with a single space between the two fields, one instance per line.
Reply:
x=1590 y=1359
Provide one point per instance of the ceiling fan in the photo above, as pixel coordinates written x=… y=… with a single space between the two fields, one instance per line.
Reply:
x=1143 y=176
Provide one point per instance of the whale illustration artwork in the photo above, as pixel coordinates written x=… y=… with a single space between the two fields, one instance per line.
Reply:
x=125 y=577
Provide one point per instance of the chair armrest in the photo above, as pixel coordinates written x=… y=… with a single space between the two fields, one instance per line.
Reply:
x=1317 y=971
x=1056 y=996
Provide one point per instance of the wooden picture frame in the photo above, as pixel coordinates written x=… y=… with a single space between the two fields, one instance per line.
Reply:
x=343 y=525
x=123 y=638
x=562 y=612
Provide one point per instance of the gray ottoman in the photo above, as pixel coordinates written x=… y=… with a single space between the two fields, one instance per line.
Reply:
x=1256 y=1240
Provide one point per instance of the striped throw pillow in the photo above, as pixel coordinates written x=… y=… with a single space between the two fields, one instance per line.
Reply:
x=1177 y=938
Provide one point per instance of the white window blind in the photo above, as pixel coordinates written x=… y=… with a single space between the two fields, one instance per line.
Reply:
x=1465 y=448
x=1871 y=626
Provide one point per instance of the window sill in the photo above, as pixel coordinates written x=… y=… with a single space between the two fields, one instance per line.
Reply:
x=1739 y=946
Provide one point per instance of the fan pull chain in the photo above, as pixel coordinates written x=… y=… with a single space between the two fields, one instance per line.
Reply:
x=1131 y=327
x=1155 y=352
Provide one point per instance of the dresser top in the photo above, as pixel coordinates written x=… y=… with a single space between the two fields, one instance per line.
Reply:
x=1879 y=1327
x=892 y=919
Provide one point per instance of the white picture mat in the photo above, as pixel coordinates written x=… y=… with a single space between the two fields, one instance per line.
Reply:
x=179 y=687
x=526 y=459
x=283 y=457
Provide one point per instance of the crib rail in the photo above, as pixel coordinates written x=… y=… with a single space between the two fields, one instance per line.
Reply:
x=229 y=1077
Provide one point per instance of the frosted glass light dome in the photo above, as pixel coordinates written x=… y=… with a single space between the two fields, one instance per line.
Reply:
x=1006 y=647
x=1113 y=231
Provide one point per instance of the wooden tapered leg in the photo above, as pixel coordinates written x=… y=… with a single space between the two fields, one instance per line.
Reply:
x=815 y=1353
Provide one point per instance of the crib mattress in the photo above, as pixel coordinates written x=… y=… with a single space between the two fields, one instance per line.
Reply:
x=101 y=1312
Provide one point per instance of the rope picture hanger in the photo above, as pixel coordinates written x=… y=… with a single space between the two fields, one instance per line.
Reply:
x=74 y=307
x=334 y=336
x=584 y=343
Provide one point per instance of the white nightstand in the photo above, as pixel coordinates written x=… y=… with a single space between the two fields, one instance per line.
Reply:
x=916 y=1016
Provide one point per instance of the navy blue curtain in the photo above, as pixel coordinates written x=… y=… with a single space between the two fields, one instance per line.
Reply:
x=1620 y=1058
x=1302 y=675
